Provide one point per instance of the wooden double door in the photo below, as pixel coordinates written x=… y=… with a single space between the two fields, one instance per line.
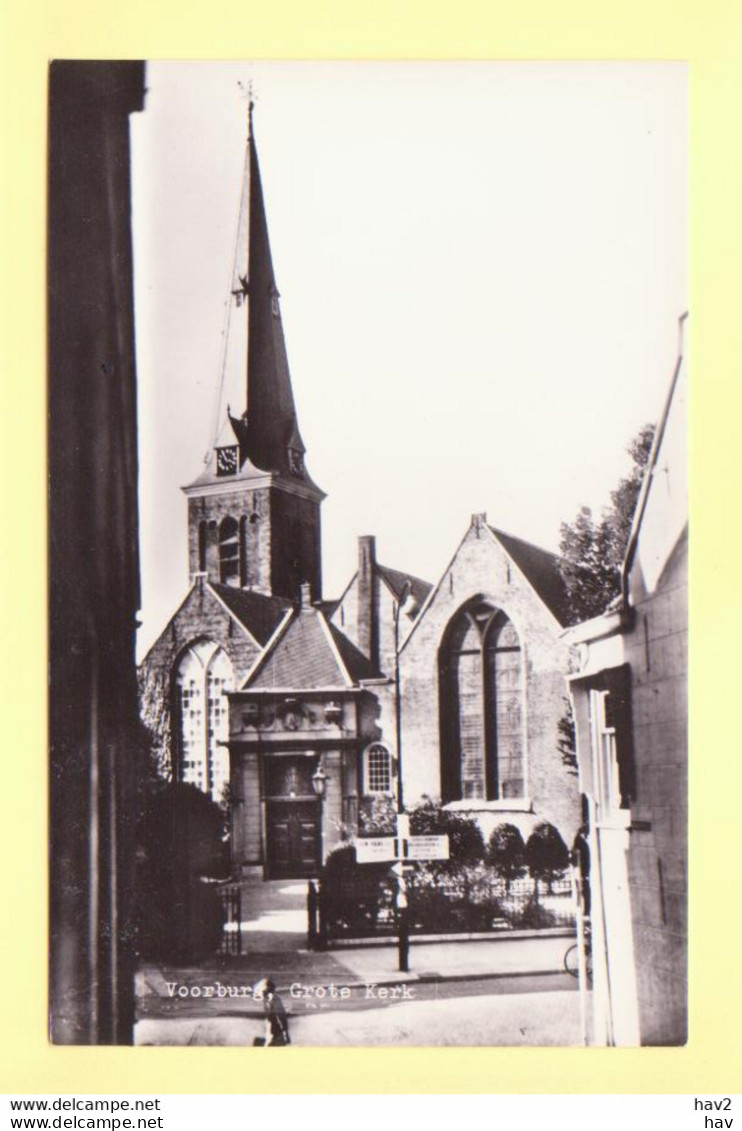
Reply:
x=293 y=819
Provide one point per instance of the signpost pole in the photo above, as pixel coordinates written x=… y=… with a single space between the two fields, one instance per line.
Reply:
x=403 y=822
x=402 y=849
x=403 y=920
x=403 y=945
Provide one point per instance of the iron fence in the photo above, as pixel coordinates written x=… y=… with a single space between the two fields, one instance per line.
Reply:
x=470 y=901
x=230 y=901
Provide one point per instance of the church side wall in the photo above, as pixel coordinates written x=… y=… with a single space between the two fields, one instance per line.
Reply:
x=482 y=568
x=201 y=617
x=345 y=616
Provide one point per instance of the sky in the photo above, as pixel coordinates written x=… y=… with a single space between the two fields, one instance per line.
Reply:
x=481 y=269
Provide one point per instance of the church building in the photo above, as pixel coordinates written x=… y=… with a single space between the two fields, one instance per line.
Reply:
x=309 y=709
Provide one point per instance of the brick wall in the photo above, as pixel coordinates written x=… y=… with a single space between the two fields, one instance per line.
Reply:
x=347 y=618
x=483 y=569
x=295 y=545
x=333 y=803
x=280 y=538
x=201 y=616
x=246 y=811
x=254 y=507
x=657 y=858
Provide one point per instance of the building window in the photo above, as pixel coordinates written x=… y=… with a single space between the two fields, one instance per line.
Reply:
x=482 y=707
x=242 y=542
x=377 y=769
x=203 y=677
x=229 y=552
x=202 y=538
x=191 y=692
x=605 y=751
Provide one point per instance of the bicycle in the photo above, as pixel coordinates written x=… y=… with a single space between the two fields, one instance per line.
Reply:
x=572 y=957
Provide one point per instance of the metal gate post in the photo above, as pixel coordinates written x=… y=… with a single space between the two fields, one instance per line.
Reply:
x=311 y=916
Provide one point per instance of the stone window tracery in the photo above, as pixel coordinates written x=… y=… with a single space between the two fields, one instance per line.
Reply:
x=482 y=707
x=203 y=677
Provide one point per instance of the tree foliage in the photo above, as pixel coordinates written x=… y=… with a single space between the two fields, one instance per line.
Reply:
x=465 y=840
x=567 y=738
x=378 y=817
x=181 y=853
x=506 y=852
x=154 y=711
x=592 y=549
x=429 y=818
x=547 y=855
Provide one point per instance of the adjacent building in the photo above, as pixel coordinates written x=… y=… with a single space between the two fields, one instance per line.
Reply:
x=630 y=705
x=96 y=745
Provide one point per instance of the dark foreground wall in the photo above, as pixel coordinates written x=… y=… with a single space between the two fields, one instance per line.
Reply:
x=95 y=746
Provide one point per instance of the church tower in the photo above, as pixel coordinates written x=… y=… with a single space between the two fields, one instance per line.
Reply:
x=254 y=511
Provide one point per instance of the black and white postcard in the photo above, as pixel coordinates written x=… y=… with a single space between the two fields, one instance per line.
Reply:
x=368 y=520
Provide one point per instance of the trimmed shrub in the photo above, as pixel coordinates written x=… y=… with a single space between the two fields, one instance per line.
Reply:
x=465 y=840
x=181 y=848
x=506 y=852
x=547 y=856
x=354 y=894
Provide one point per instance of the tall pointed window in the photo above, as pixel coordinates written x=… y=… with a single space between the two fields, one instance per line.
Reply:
x=202 y=539
x=229 y=552
x=203 y=677
x=481 y=707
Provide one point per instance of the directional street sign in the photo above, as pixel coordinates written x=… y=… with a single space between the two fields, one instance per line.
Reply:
x=426 y=848
x=371 y=850
x=403 y=849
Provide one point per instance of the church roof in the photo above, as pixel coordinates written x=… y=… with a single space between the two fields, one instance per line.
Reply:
x=257 y=612
x=358 y=666
x=309 y=654
x=541 y=569
x=328 y=607
x=396 y=580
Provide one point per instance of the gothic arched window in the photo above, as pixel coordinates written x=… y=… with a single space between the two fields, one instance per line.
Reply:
x=482 y=756
x=203 y=677
x=229 y=552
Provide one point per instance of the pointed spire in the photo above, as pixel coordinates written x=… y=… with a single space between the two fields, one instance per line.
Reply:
x=267 y=434
x=273 y=440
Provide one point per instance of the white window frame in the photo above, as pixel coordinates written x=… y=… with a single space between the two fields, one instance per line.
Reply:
x=373 y=748
x=206 y=767
x=604 y=754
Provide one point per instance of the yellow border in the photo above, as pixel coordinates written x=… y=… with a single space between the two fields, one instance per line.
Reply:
x=708 y=35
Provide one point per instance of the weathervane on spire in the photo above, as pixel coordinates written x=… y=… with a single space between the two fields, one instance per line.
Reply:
x=240 y=286
x=242 y=291
x=248 y=93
